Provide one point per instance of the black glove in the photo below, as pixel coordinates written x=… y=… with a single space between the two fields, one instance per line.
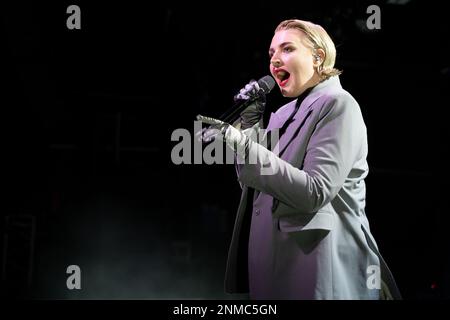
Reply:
x=254 y=112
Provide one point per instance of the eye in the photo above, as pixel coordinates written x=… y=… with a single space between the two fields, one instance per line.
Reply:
x=288 y=49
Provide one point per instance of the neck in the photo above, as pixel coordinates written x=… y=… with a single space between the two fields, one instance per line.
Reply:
x=314 y=81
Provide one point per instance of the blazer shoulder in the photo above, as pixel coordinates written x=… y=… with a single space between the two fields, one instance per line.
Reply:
x=338 y=101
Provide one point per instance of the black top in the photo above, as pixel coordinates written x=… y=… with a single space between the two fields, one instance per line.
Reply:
x=286 y=124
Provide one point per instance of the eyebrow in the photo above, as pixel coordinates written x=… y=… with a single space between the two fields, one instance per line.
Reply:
x=271 y=50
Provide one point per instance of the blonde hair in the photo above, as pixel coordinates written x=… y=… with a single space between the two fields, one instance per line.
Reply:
x=316 y=38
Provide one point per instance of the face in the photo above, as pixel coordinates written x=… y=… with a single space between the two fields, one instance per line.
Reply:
x=292 y=62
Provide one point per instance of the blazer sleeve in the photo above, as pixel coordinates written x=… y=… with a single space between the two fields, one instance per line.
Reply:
x=252 y=134
x=333 y=148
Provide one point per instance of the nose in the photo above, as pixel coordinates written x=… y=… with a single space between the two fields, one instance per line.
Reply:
x=275 y=61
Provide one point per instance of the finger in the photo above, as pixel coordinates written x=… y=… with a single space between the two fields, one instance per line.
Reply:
x=210 y=134
x=256 y=86
x=206 y=134
x=251 y=89
x=199 y=137
x=248 y=87
x=242 y=96
x=199 y=134
x=245 y=91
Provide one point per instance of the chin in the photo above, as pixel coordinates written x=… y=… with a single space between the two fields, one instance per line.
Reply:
x=287 y=94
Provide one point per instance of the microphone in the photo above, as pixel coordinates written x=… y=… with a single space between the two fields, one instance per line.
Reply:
x=266 y=84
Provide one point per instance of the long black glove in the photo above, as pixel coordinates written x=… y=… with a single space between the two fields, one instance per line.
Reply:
x=254 y=112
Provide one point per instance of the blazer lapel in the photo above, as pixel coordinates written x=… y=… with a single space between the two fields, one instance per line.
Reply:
x=277 y=120
x=295 y=126
x=302 y=114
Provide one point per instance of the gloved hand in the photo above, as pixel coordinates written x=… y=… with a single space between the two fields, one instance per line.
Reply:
x=218 y=129
x=254 y=112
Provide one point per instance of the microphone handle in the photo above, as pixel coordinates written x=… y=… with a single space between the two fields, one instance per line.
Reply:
x=229 y=115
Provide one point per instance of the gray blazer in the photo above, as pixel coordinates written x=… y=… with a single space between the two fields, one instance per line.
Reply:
x=309 y=237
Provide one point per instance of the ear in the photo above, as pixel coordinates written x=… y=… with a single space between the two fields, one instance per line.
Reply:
x=318 y=57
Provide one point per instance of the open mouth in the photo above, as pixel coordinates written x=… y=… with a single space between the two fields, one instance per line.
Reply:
x=283 y=77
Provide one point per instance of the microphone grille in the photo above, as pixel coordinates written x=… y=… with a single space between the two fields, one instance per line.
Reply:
x=266 y=83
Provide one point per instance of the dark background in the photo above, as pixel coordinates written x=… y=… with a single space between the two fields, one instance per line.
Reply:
x=88 y=115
